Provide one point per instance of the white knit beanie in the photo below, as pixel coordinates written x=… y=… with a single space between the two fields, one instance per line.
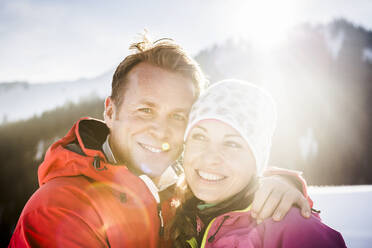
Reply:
x=247 y=108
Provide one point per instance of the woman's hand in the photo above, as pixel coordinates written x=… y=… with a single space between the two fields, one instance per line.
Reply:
x=275 y=196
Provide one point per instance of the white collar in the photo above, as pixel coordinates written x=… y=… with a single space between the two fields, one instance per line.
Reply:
x=168 y=178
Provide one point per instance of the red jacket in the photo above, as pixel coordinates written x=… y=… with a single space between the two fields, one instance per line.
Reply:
x=85 y=202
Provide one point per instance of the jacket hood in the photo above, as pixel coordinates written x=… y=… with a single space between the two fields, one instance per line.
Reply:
x=79 y=154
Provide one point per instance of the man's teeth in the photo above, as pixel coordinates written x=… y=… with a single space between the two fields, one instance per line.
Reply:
x=209 y=176
x=151 y=149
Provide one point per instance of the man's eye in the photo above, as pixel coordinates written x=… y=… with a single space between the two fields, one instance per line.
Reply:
x=178 y=117
x=198 y=136
x=232 y=144
x=145 y=110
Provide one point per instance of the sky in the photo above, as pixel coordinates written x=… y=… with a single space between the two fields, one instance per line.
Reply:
x=44 y=41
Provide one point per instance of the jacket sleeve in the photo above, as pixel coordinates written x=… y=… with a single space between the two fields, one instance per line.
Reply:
x=55 y=227
x=295 y=231
x=60 y=214
x=293 y=176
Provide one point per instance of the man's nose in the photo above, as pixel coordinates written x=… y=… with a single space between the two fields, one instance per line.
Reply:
x=161 y=128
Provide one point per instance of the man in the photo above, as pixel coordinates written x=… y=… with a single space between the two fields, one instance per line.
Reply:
x=99 y=185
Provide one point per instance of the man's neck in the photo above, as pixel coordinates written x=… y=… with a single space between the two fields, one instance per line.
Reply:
x=156 y=180
x=108 y=151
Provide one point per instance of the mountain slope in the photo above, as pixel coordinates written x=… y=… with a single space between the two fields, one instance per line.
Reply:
x=23 y=100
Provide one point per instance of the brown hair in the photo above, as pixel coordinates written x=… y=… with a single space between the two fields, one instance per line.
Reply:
x=163 y=53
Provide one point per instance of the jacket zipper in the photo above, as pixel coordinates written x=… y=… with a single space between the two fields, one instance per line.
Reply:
x=210 y=225
x=161 y=230
x=211 y=238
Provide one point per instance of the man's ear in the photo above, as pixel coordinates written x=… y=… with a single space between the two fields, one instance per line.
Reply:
x=110 y=112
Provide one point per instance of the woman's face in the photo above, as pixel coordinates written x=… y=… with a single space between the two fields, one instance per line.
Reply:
x=218 y=161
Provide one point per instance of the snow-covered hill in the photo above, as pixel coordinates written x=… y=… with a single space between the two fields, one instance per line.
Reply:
x=23 y=100
x=347 y=210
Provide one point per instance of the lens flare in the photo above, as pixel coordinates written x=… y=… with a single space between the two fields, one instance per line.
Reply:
x=165 y=146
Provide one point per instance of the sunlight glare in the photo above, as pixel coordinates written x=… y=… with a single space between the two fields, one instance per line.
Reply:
x=265 y=23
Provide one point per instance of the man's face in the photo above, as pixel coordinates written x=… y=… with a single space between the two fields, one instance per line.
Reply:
x=153 y=113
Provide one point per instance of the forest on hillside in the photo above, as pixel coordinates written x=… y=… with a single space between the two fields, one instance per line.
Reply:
x=22 y=148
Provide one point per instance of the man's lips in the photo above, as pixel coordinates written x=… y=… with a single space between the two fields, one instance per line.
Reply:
x=151 y=148
x=210 y=177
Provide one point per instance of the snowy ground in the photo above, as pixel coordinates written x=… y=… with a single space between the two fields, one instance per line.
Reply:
x=347 y=210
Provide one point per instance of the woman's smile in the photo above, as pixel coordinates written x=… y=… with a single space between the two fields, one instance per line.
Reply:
x=209 y=177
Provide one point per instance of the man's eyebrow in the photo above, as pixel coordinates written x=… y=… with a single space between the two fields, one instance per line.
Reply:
x=153 y=104
x=186 y=110
x=148 y=103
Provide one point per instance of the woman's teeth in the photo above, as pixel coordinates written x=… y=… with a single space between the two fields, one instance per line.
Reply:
x=209 y=176
x=151 y=149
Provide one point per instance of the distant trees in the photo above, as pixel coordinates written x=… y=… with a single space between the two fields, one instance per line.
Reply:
x=20 y=142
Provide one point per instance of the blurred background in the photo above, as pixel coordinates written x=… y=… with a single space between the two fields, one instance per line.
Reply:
x=57 y=59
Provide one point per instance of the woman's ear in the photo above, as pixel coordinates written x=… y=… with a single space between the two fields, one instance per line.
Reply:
x=110 y=112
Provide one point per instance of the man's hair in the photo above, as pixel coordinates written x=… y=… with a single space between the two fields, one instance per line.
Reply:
x=163 y=53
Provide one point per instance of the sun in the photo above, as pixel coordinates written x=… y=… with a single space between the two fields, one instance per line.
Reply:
x=265 y=23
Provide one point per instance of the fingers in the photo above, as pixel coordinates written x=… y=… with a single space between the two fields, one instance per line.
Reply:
x=259 y=200
x=288 y=200
x=270 y=205
x=304 y=206
x=283 y=207
x=275 y=198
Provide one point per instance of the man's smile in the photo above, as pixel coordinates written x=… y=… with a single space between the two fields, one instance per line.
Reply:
x=151 y=148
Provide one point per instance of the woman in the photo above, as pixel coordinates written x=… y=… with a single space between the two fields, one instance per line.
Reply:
x=228 y=141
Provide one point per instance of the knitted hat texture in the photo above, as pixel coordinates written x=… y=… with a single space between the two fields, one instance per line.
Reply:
x=247 y=108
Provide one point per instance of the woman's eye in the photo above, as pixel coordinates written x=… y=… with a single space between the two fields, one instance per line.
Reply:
x=233 y=144
x=198 y=136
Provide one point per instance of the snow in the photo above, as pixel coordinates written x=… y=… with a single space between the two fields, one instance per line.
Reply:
x=39 y=150
x=367 y=54
x=334 y=42
x=308 y=144
x=347 y=210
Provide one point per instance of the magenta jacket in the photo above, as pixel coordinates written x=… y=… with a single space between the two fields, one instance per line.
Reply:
x=238 y=229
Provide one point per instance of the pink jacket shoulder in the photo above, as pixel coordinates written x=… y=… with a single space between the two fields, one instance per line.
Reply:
x=239 y=230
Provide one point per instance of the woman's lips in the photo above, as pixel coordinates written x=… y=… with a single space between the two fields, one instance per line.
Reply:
x=210 y=177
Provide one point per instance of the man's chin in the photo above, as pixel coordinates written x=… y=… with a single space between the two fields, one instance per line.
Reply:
x=153 y=170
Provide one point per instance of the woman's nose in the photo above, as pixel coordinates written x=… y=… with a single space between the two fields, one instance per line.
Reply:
x=213 y=155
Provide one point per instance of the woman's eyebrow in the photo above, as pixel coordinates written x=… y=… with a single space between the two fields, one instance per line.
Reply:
x=202 y=128
x=233 y=135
